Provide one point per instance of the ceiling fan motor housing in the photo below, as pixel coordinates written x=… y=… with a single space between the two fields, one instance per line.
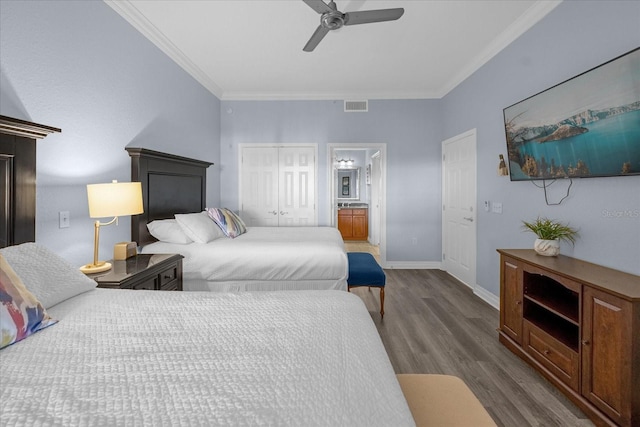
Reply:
x=332 y=20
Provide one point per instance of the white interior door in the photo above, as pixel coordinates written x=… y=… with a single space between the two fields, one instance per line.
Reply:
x=278 y=186
x=259 y=191
x=459 y=207
x=297 y=205
x=376 y=184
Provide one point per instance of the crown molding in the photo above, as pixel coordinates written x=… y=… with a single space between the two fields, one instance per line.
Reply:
x=132 y=15
x=518 y=27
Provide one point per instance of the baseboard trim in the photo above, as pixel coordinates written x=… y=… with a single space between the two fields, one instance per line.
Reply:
x=413 y=265
x=487 y=297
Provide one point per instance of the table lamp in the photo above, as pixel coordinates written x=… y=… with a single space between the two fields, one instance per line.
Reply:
x=110 y=200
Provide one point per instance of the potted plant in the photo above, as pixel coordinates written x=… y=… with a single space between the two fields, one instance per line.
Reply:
x=550 y=233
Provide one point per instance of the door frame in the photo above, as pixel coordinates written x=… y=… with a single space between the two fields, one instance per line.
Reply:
x=331 y=176
x=243 y=145
x=473 y=133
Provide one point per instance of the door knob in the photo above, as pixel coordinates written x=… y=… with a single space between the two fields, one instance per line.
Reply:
x=273 y=212
x=470 y=219
x=284 y=213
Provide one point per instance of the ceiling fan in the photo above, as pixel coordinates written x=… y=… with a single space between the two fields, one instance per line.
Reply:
x=332 y=19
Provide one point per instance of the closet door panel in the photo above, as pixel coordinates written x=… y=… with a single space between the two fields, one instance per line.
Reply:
x=297 y=186
x=259 y=175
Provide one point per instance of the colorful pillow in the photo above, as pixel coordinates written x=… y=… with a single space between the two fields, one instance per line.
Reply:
x=48 y=276
x=199 y=227
x=230 y=223
x=21 y=314
x=168 y=230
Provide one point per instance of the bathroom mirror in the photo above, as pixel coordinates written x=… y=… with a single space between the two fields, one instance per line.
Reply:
x=348 y=184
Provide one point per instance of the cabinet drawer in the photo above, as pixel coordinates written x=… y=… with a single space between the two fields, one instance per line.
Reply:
x=358 y=212
x=168 y=275
x=149 y=283
x=562 y=361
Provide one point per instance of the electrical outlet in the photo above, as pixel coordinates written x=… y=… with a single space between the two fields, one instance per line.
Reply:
x=487 y=205
x=64 y=219
x=496 y=207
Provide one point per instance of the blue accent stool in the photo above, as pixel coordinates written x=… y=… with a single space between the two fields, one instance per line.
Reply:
x=365 y=271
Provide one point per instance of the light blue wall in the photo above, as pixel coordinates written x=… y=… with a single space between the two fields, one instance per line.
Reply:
x=79 y=66
x=411 y=130
x=573 y=38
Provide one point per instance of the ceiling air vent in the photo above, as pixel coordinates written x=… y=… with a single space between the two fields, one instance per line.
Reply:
x=356 y=106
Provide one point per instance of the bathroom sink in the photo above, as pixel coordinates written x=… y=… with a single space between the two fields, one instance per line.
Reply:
x=352 y=205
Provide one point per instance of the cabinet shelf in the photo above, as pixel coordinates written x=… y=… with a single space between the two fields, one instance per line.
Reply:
x=559 y=327
x=552 y=296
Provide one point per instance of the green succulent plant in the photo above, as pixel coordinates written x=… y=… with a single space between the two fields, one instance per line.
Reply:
x=549 y=229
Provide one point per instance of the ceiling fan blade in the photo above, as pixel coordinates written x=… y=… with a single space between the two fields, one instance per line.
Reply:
x=369 y=16
x=316 y=38
x=318 y=5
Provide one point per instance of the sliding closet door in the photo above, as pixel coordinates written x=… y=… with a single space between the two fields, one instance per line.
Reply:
x=278 y=186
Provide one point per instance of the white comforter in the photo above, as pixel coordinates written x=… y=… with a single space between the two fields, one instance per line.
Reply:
x=120 y=357
x=290 y=257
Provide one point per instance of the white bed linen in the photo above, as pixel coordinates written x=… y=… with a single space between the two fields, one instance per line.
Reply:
x=264 y=258
x=123 y=357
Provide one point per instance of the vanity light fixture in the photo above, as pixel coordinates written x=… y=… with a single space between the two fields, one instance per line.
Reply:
x=502 y=167
x=110 y=200
x=344 y=162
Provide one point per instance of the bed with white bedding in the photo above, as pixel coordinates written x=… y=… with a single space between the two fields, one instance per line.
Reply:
x=125 y=357
x=263 y=258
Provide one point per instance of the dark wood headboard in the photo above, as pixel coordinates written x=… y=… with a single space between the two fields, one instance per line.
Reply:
x=18 y=179
x=170 y=184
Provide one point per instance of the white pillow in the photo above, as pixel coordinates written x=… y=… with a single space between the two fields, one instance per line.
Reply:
x=199 y=227
x=46 y=275
x=168 y=230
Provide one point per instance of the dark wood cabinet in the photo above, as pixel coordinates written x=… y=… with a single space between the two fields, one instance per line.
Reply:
x=353 y=223
x=578 y=324
x=159 y=272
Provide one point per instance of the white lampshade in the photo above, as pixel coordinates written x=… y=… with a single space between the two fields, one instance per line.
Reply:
x=114 y=199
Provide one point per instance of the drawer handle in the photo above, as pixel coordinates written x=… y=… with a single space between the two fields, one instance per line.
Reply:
x=546 y=352
x=518 y=302
x=585 y=342
x=168 y=276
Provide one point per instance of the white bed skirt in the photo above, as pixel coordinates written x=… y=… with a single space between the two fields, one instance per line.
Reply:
x=254 y=285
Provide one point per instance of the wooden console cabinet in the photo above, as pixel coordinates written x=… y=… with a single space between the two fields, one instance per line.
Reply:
x=578 y=324
x=353 y=223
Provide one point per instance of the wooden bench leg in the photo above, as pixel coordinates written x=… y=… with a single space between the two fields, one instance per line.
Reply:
x=382 y=302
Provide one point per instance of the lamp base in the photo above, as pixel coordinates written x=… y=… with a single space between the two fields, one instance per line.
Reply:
x=95 y=268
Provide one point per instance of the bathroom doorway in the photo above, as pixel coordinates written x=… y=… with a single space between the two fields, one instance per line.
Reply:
x=368 y=161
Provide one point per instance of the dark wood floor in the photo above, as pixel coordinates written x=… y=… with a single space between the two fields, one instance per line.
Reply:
x=434 y=324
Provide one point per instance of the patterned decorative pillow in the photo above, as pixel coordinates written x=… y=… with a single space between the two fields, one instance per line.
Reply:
x=230 y=223
x=21 y=314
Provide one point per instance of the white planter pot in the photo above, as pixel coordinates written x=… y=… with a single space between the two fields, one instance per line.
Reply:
x=547 y=247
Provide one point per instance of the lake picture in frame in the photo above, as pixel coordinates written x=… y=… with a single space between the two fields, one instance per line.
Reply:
x=587 y=126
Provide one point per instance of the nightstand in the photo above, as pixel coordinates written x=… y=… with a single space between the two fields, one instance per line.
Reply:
x=160 y=272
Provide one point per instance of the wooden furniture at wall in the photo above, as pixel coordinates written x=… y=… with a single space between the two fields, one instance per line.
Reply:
x=578 y=324
x=156 y=272
x=170 y=185
x=353 y=223
x=18 y=179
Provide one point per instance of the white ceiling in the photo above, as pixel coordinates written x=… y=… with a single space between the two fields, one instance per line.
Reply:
x=241 y=50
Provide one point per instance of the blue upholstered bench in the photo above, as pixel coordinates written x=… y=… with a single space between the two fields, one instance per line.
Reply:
x=365 y=271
